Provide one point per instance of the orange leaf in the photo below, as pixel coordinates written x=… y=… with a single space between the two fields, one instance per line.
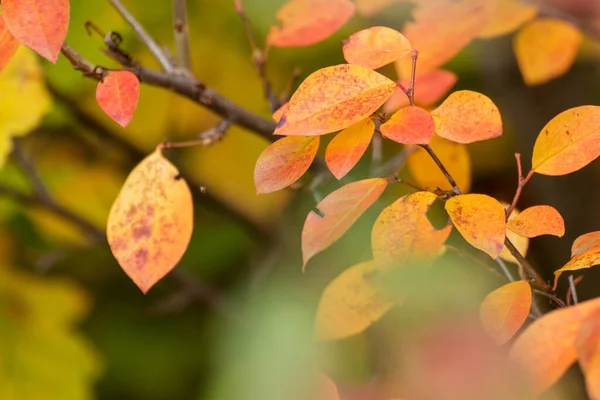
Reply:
x=545 y=49
x=150 y=223
x=429 y=89
x=284 y=162
x=520 y=242
x=588 y=351
x=403 y=233
x=467 y=117
x=279 y=112
x=350 y=303
x=504 y=311
x=537 y=221
x=459 y=21
x=455 y=158
x=341 y=209
x=569 y=142
x=118 y=95
x=334 y=98
x=586 y=243
x=375 y=47
x=348 y=146
x=582 y=261
x=508 y=17
x=480 y=219
x=306 y=22
x=40 y=25
x=326 y=388
x=8 y=45
x=546 y=349
x=409 y=125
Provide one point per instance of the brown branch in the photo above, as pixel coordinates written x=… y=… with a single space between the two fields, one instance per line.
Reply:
x=182 y=35
x=551 y=296
x=204 y=139
x=537 y=279
x=442 y=168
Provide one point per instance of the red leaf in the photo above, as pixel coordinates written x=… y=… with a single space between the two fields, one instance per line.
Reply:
x=284 y=162
x=409 y=125
x=8 y=45
x=40 y=25
x=537 y=221
x=348 y=146
x=340 y=210
x=306 y=22
x=375 y=47
x=118 y=95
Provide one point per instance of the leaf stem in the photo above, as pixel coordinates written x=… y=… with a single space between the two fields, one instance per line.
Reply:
x=522 y=182
x=207 y=138
x=442 y=168
x=551 y=296
x=182 y=35
x=413 y=75
x=572 y=290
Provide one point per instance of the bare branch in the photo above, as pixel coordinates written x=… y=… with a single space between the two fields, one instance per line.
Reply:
x=182 y=35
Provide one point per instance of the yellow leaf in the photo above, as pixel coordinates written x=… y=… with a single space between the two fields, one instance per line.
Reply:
x=375 y=47
x=350 y=303
x=520 y=242
x=545 y=49
x=569 y=142
x=508 y=17
x=334 y=98
x=582 y=261
x=455 y=158
x=480 y=219
x=150 y=223
x=348 y=146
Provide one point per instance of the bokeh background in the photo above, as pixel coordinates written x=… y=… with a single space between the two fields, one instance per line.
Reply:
x=236 y=322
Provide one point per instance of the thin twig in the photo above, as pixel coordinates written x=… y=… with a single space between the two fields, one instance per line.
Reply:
x=537 y=279
x=466 y=255
x=442 y=168
x=396 y=163
x=144 y=36
x=522 y=181
x=377 y=147
x=413 y=76
x=551 y=296
x=572 y=291
x=504 y=269
x=182 y=35
x=207 y=138
x=24 y=163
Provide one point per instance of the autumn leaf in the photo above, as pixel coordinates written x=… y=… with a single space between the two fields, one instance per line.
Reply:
x=467 y=117
x=350 y=303
x=150 y=223
x=588 y=353
x=340 y=210
x=504 y=311
x=375 y=47
x=326 y=388
x=545 y=49
x=118 y=95
x=546 y=349
x=480 y=219
x=403 y=232
x=586 y=243
x=284 y=162
x=520 y=242
x=569 y=142
x=409 y=125
x=509 y=16
x=8 y=45
x=429 y=89
x=582 y=261
x=455 y=158
x=305 y=22
x=348 y=146
x=536 y=221
x=40 y=25
x=279 y=112
x=334 y=98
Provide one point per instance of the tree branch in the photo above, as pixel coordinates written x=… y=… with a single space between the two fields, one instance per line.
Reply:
x=182 y=35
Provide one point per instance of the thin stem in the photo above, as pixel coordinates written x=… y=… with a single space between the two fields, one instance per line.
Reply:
x=504 y=269
x=521 y=184
x=572 y=293
x=413 y=75
x=396 y=163
x=182 y=35
x=538 y=280
x=144 y=36
x=464 y=254
x=377 y=147
x=442 y=168
x=551 y=296
x=204 y=139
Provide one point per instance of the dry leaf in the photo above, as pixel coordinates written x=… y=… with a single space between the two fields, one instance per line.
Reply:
x=409 y=125
x=375 y=47
x=348 y=146
x=536 y=221
x=118 y=95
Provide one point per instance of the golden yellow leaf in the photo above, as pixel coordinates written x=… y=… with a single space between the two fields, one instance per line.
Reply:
x=455 y=158
x=350 y=303
x=150 y=223
x=545 y=49
x=582 y=261
x=375 y=47
x=508 y=17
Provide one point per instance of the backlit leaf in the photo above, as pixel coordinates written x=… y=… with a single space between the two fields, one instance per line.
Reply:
x=459 y=21
x=375 y=47
x=480 y=219
x=8 y=45
x=350 y=303
x=305 y=22
x=569 y=142
x=40 y=25
x=334 y=98
x=455 y=158
x=585 y=243
x=150 y=223
x=403 y=233
x=508 y=17
x=582 y=261
x=467 y=117
x=545 y=49
x=409 y=125
x=340 y=210
x=429 y=89
x=520 y=242
x=537 y=221
x=118 y=95
x=284 y=162
x=348 y=146
x=504 y=311
x=546 y=349
x=588 y=352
